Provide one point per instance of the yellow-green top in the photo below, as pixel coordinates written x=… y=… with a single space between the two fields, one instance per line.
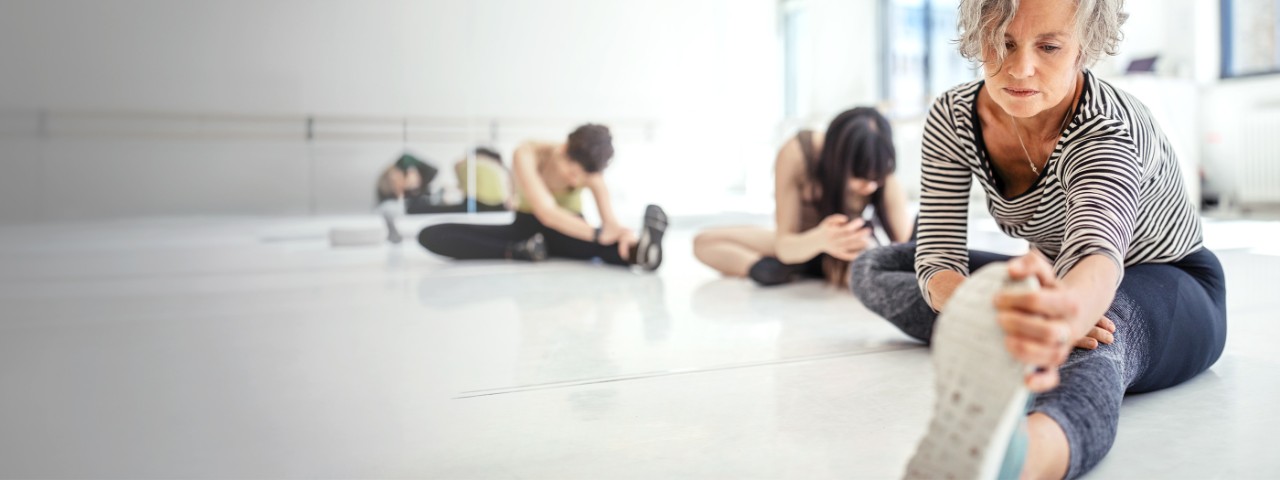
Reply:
x=570 y=200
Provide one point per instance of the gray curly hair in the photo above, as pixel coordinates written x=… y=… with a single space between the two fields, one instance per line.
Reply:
x=982 y=23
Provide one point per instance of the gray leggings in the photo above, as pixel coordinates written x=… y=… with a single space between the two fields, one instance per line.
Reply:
x=1171 y=324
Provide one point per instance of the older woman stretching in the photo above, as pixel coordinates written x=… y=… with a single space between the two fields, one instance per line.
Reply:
x=1081 y=170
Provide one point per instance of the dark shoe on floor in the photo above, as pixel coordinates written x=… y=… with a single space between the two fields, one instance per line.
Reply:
x=769 y=271
x=649 y=247
x=533 y=249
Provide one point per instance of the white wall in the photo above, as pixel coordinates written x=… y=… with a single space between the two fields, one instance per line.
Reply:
x=839 y=69
x=1184 y=34
x=694 y=85
x=1204 y=115
x=693 y=88
x=1228 y=107
x=847 y=66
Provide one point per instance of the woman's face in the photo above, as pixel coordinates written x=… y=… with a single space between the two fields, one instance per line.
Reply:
x=571 y=172
x=1040 y=65
x=863 y=187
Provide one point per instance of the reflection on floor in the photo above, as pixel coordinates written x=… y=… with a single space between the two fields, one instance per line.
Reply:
x=250 y=348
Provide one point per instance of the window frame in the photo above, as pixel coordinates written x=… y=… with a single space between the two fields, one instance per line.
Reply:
x=1228 y=44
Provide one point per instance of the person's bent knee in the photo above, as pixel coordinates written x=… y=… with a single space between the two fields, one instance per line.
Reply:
x=863 y=269
x=882 y=258
x=703 y=244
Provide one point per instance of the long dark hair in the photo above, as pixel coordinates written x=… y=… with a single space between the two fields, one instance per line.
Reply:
x=858 y=143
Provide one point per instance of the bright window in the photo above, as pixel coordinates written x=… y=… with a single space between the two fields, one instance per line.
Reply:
x=797 y=58
x=920 y=56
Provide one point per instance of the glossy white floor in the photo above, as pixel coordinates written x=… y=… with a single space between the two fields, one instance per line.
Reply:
x=250 y=348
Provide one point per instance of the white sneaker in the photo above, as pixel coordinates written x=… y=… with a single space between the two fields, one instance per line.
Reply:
x=980 y=396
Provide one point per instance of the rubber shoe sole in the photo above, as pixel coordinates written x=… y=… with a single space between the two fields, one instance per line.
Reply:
x=978 y=385
x=536 y=248
x=649 y=246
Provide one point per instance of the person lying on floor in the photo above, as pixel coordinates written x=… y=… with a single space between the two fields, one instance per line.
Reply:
x=550 y=177
x=824 y=182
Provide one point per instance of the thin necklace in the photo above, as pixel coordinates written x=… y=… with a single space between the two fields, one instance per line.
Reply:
x=1024 y=145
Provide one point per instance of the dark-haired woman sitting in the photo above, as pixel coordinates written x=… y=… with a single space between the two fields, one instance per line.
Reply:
x=824 y=183
x=549 y=223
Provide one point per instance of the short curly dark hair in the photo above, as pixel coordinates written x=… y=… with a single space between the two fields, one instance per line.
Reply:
x=591 y=145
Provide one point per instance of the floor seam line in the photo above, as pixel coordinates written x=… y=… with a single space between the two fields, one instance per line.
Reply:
x=674 y=373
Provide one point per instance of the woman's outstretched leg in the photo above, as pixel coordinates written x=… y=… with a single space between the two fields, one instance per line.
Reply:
x=474 y=242
x=560 y=245
x=733 y=250
x=884 y=280
x=650 y=240
x=1170 y=326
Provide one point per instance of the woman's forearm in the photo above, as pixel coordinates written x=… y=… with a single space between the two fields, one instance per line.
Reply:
x=604 y=203
x=1093 y=282
x=942 y=285
x=794 y=248
x=564 y=222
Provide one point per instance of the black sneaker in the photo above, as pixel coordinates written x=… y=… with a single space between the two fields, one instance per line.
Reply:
x=649 y=246
x=533 y=249
x=769 y=271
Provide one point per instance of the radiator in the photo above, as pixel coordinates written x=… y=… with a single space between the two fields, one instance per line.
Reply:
x=1258 y=165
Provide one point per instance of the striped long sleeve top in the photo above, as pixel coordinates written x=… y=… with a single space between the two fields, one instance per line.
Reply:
x=1111 y=187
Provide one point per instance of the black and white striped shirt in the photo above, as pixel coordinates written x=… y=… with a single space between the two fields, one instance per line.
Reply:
x=1111 y=187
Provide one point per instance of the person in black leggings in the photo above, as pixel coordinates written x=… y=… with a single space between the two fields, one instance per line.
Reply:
x=550 y=178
